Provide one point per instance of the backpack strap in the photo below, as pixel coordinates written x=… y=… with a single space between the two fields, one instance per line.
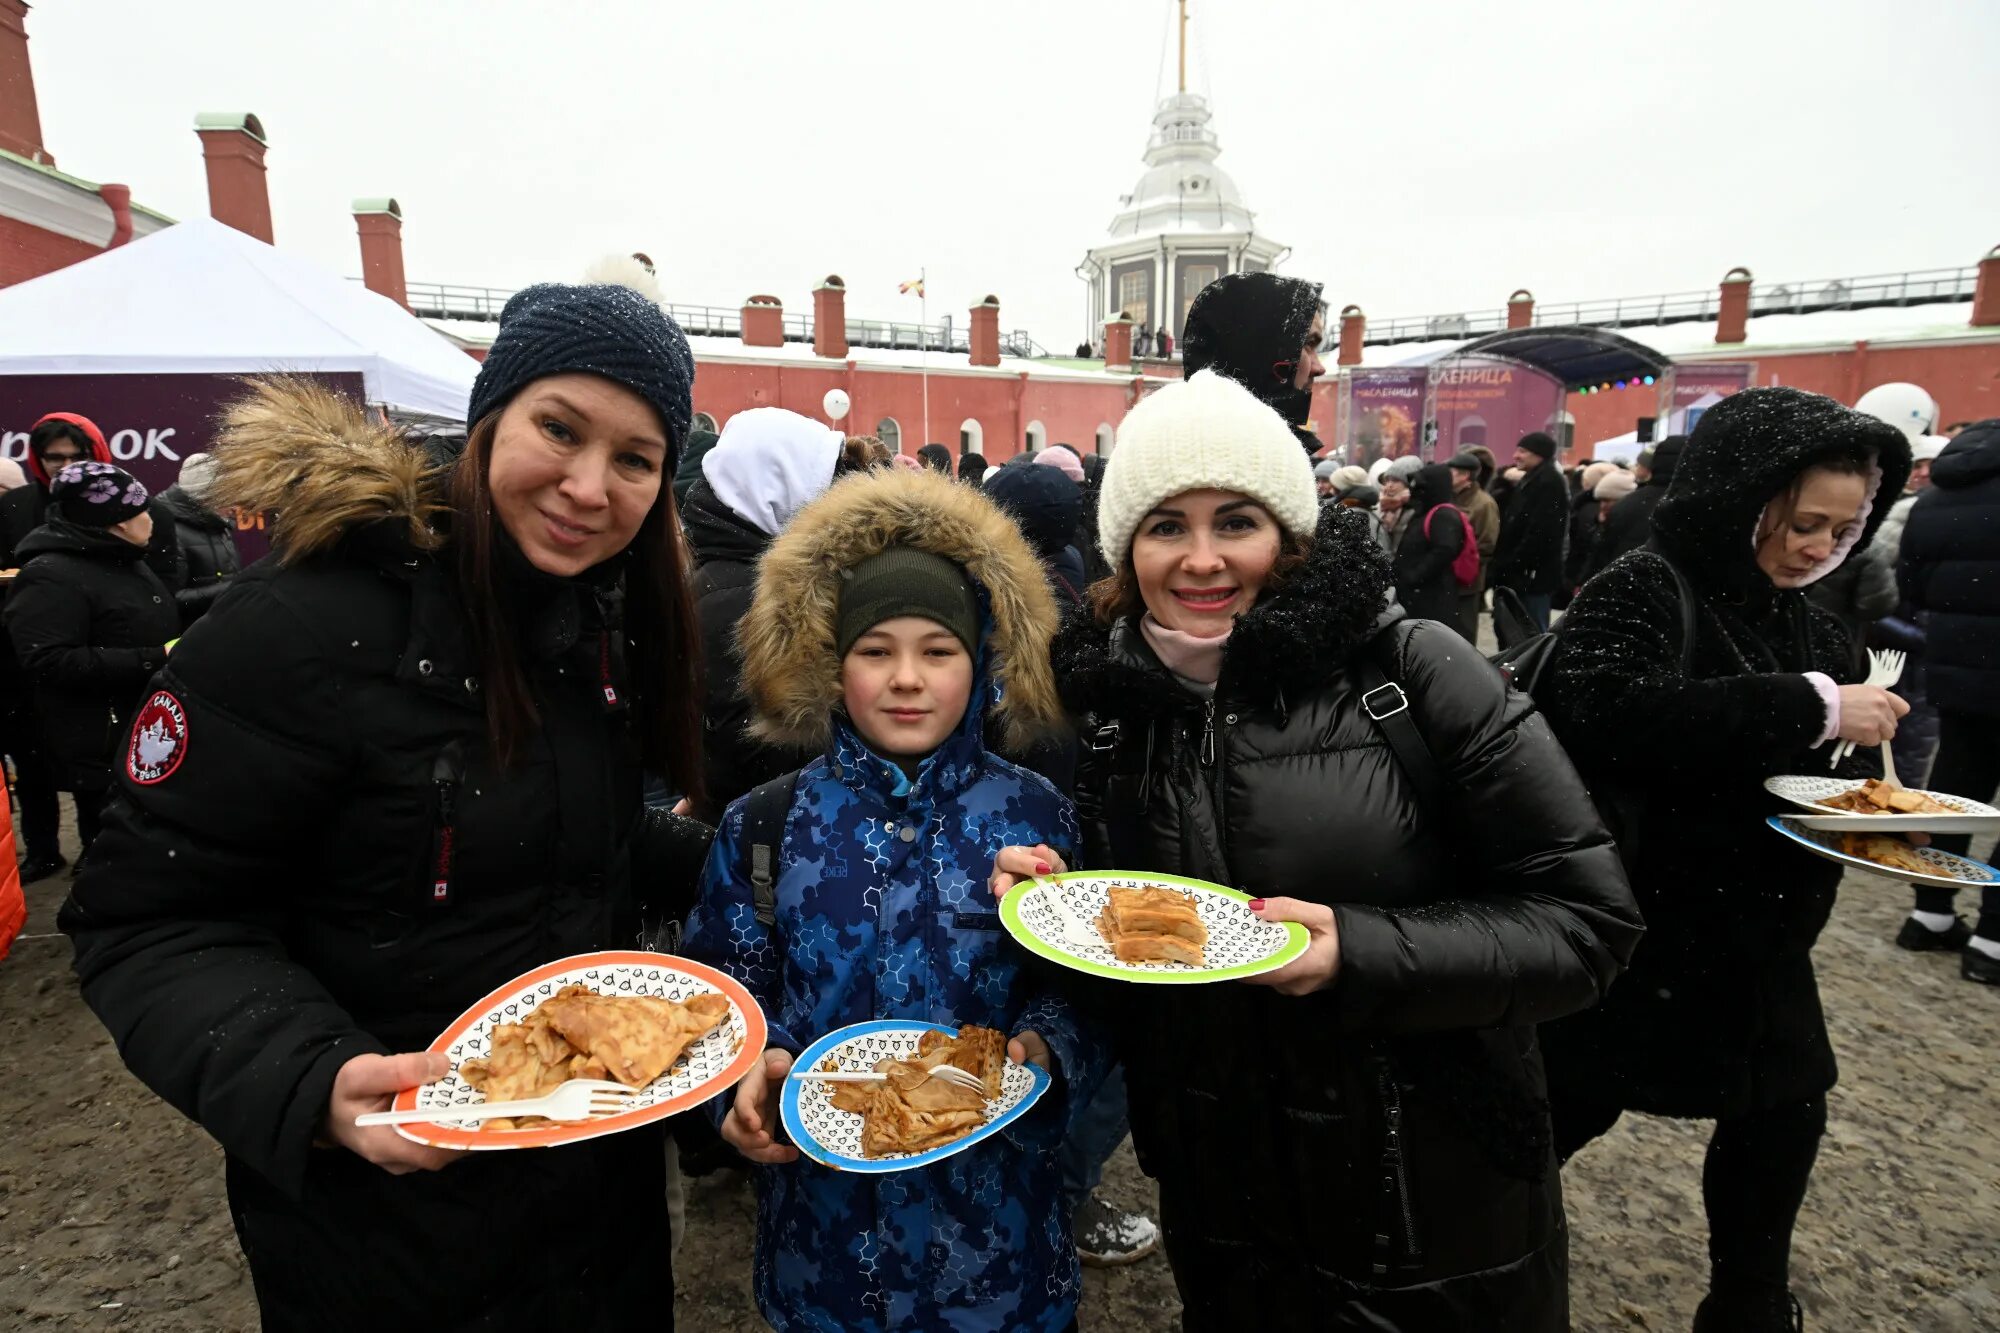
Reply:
x=1388 y=707
x=764 y=835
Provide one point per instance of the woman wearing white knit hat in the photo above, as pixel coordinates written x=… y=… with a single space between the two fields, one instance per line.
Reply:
x=1256 y=711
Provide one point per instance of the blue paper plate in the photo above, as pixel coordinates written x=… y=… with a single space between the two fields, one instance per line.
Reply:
x=833 y=1137
x=1951 y=872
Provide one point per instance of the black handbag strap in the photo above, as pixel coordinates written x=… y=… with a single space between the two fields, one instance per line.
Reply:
x=1388 y=707
x=1687 y=608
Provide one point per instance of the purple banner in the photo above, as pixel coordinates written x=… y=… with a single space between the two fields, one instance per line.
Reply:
x=1384 y=408
x=151 y=422
x=1692 y=383
x=1494 y=403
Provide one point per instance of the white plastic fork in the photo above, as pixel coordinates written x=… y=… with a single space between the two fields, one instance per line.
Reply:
x=1075 y=933
x=1885 y=668
x=578 y=1099
x=964 y=1078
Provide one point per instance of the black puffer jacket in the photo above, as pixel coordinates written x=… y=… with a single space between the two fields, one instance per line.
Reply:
x=262 y=905
x=1534 y=519
x=89 y=622
x=1720 y=1014
x=1629 y=525
x=1266 y=1118
x=208 y=555
x=1950 y=567
x=1432 y=539
x=727 y=547
x=1585 y=532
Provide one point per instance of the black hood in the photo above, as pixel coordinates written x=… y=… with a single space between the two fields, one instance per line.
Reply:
x=1291 y=641
x=716 y=531
x=1745 y=451
x=187 y=509
x=1971 y=458
x=1667 y=458
x=59 y=534
x=1250 y=327
x=688 y=471
x=1042 y=501
x=1430 y=488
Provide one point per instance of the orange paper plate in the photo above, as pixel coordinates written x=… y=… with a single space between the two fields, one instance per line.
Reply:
x=710 y=1066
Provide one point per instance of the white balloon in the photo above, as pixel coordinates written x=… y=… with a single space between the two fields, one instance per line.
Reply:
x=835 y=403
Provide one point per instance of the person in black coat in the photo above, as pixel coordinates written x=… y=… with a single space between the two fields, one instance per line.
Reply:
x=205 y=539
x=1047 y=506
x=90 y=623
x=1432 y=539
x=396 y=767
x=1720 y=1016
x=1357 y=1140
x=1533 y=517
x=54 y=442
x=1264 y=331
x=1950 y=568
x=1629 y=525
x=767 y=465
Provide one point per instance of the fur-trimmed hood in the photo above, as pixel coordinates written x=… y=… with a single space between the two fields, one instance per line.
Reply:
x=790 y=670
x=1288 y=643
x=314 y=459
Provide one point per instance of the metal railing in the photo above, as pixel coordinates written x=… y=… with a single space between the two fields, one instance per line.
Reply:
x=440 y=300
x=1916 y=287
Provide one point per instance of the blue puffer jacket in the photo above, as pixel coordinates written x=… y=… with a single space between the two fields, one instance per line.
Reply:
x=883 y=912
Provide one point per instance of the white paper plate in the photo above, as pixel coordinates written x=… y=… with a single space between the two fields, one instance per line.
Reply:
x=1953 y=872
x=711 y=1065
x=1239 y=943
x=1807 y=792
x=832 y=1137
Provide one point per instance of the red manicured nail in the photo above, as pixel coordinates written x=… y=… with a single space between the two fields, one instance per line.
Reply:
x=1256 y=904
x=1041 y=867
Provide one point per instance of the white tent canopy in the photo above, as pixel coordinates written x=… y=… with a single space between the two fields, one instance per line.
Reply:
x=201 y=297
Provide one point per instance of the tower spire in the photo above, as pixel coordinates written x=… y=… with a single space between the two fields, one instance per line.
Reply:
x=1183 y=45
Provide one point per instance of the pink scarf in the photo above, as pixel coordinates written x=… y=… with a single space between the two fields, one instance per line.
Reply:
x=1191 y=658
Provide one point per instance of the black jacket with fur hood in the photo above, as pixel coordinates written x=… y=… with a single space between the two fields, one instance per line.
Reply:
x=314 y=858
x=1271 y=1122
x=1720 y=1015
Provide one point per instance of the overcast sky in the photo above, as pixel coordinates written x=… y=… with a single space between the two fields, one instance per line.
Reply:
x=1419 y=157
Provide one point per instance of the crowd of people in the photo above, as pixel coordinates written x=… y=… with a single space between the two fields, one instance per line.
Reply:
x=506 y=696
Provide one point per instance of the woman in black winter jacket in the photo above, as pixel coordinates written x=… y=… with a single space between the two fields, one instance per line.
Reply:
x=1432 y=539
x=90 y=624
x=1358 y=1141
x=204 y=539
x=397 y=766
x=1720 y=1016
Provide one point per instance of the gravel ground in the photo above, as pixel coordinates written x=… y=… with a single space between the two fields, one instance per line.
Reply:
x=112 y=1214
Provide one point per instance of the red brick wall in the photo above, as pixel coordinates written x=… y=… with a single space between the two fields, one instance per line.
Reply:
x=28 y=252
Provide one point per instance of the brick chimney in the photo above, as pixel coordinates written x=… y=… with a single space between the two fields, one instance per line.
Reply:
x=1352 y=325
x=985 y=332
x=117 y=198
x=830 y=318
x=380 y=222
x=1986 y=296
x=1521 y=309
x=20 y=115
x=232 y=147
x=763 y=322
x=1118 y=341
x=1733 y=314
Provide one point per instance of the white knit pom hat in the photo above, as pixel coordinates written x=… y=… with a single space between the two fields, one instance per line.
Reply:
x=1206 y=433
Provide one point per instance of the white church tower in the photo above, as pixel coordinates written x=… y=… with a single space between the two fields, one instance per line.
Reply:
x=1183 y=226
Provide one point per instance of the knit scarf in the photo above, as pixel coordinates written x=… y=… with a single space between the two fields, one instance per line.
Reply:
x=1195 y=660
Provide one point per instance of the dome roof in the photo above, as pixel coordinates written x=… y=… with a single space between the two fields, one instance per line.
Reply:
x=1182 y=188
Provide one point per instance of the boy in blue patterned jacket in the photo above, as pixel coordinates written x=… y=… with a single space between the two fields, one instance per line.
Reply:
x=892 y=618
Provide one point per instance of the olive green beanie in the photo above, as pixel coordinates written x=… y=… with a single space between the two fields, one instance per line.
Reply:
x=904 y=581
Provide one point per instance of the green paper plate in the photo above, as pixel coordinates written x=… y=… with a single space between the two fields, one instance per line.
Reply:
x=1239 y=944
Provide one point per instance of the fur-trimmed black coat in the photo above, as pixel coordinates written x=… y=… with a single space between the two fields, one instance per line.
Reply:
x=1270 y=1121
x=314 y=855
x=1720 y=1012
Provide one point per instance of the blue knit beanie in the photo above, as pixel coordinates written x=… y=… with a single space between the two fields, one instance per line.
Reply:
x=557 y=329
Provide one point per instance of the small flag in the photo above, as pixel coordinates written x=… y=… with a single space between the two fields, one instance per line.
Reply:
x=913 y=285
